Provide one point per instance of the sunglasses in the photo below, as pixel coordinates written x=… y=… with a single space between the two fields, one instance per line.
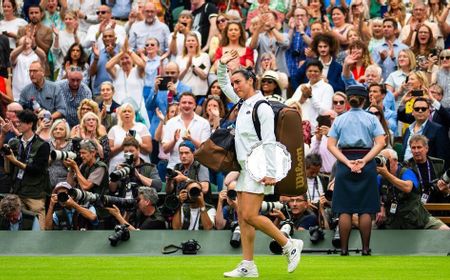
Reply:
x=86 y=109
x=267 y=81
x=101 y=12
x=445 y=57
x=222 y=20
x=151 y=44
x=420 y=109
x=341 y=102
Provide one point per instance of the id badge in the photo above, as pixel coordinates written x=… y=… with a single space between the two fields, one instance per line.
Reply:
x=424 y=198
x=393 y=209
x=20 y=174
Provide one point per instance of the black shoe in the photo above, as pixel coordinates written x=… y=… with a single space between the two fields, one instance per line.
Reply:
x=344 y=252
x=366 y=252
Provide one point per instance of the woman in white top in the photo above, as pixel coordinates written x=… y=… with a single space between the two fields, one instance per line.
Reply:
x=395 y=83
x=127 y=70
x=194 y=65
x=127 y=127
x=10 y=23
x=250 y=192
x=181 y=28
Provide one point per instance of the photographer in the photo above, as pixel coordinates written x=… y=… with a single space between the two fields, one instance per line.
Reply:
x=194 y=213
x=147 y=217
x=401 y=207
x=13 y=217
x=92 y=174
x=302 y=217
x=30 y=168
x=428 y=170
x=142 y=173
x=187 y=169
x=227 y=214
x=71 y=215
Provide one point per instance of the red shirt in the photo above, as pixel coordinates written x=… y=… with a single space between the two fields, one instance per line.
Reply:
x=243 y=59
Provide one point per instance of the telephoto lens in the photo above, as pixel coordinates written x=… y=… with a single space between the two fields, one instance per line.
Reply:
x=232 y=194
x=267 y=207
x=287 y=228
x=194 y=192
x=235 y=240
x=61 y=155
x=63 y=197
x=123 y=203
x=120 y=174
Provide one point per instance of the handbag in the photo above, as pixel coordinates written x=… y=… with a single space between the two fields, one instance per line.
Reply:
x=218 y=152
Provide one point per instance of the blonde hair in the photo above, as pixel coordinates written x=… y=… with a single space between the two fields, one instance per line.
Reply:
x=422 y=77
x=66 y=127
x=91 y=103
x=119 y=113
x=191 y=34
x=412 y=58
x=83 y=126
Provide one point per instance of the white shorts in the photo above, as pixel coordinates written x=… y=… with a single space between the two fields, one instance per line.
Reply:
x=245 y=183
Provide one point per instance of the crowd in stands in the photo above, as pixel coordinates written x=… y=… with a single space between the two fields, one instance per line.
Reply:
x=103 y=104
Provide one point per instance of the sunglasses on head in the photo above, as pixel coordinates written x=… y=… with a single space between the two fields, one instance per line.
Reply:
x=101 y=12
x=445 y=57
x=420 y=109
x=267 y=81
x=339 y=102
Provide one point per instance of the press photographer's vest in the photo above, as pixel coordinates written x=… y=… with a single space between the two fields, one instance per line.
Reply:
x=410 y=212
x=187 y=215
x=78 y=221
x=86 y=171
x=192 y=173
x=34 y=186
x=26 y=223
x=437 y=165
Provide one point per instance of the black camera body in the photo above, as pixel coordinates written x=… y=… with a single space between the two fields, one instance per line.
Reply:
x=170 y=173
x=6 y=150
x=232 y=194
x=381 y=160
x=287 y=228
x=190 y=247
x=235 y=240
x=316 y=234
x=126 y=170
x=120 y=202
x=121 y=233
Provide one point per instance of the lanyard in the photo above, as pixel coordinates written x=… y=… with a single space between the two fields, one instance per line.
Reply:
x=420 y=175
x=28 y=149
x=315 y=187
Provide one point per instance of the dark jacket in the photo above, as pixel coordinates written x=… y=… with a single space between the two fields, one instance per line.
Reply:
x=441 y=116
x=333 y=76
x=26 y=223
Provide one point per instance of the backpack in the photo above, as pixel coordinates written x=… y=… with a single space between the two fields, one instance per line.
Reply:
x=289 y=132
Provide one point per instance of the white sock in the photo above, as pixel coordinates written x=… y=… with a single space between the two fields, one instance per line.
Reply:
x=248 y=263
x=288 y=245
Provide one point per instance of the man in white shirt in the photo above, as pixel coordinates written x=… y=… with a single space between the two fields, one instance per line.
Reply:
x=149 y=27
x=95 y=32
x=186 y=126
x=315 y=96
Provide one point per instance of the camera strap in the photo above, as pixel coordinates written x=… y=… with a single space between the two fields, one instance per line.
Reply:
x=170 y=249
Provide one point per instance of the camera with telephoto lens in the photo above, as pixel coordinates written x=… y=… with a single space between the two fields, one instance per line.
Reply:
x=61 y=155
x=287 y=228
x=267 y=207
x=170 y=205
x=6 y=150
x=316 y=234
x=63 y=197
x=120 y=202
x=126 y=169
x=381 y=160
x=84 y=197
x=232 y=194
x=76 y=145
x=190 y=247
x=446 y=176
x=336 y=240
x=170 y=173
x=121 y=233
x=235 y=240
x=194 y=192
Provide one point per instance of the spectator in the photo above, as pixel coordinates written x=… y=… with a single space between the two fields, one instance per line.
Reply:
x=386 y=54
x=44 y=93
x=341 y=27
x=319 y=144
x=53 y=16
x=75 y=57
x=148 y=215
x=86 y=105
x=442 y=77
x=263 y=39
x=428 y=171
x=397 y=11
x=60 y=133
x=214 y=111
x=13 y=217
x=186 y=126
x=120 y=10
x=127 y=70
x=221 y=23
x=127 y=126
x=268 y=62
x=153 y=63
x=108 y=106
x=74 y=91
x=205 y=15
x=41 y=35
x=271 y=86
x=141 y=31
x=401 y=207
x=423 y=46
x=91 y=129
x=99 y=59
x=30 y=167
x=86 y=12
x=21 y=59
x=194 y=65
x=194 y=213
x=376 y=26
x=340 y=103
x=298 y=27
x=43 y=125
x=325 y=46
x=182 y=27
x=395 y=82
x=10 y=23
x=375 y=109
x=95 y=32
x=72 y=216
x=377 y=94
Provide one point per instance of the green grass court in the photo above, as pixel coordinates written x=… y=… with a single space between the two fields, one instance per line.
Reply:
x=211 y=267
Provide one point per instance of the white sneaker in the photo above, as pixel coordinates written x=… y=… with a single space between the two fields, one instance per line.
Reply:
x=243 y=271
x=294 y=254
